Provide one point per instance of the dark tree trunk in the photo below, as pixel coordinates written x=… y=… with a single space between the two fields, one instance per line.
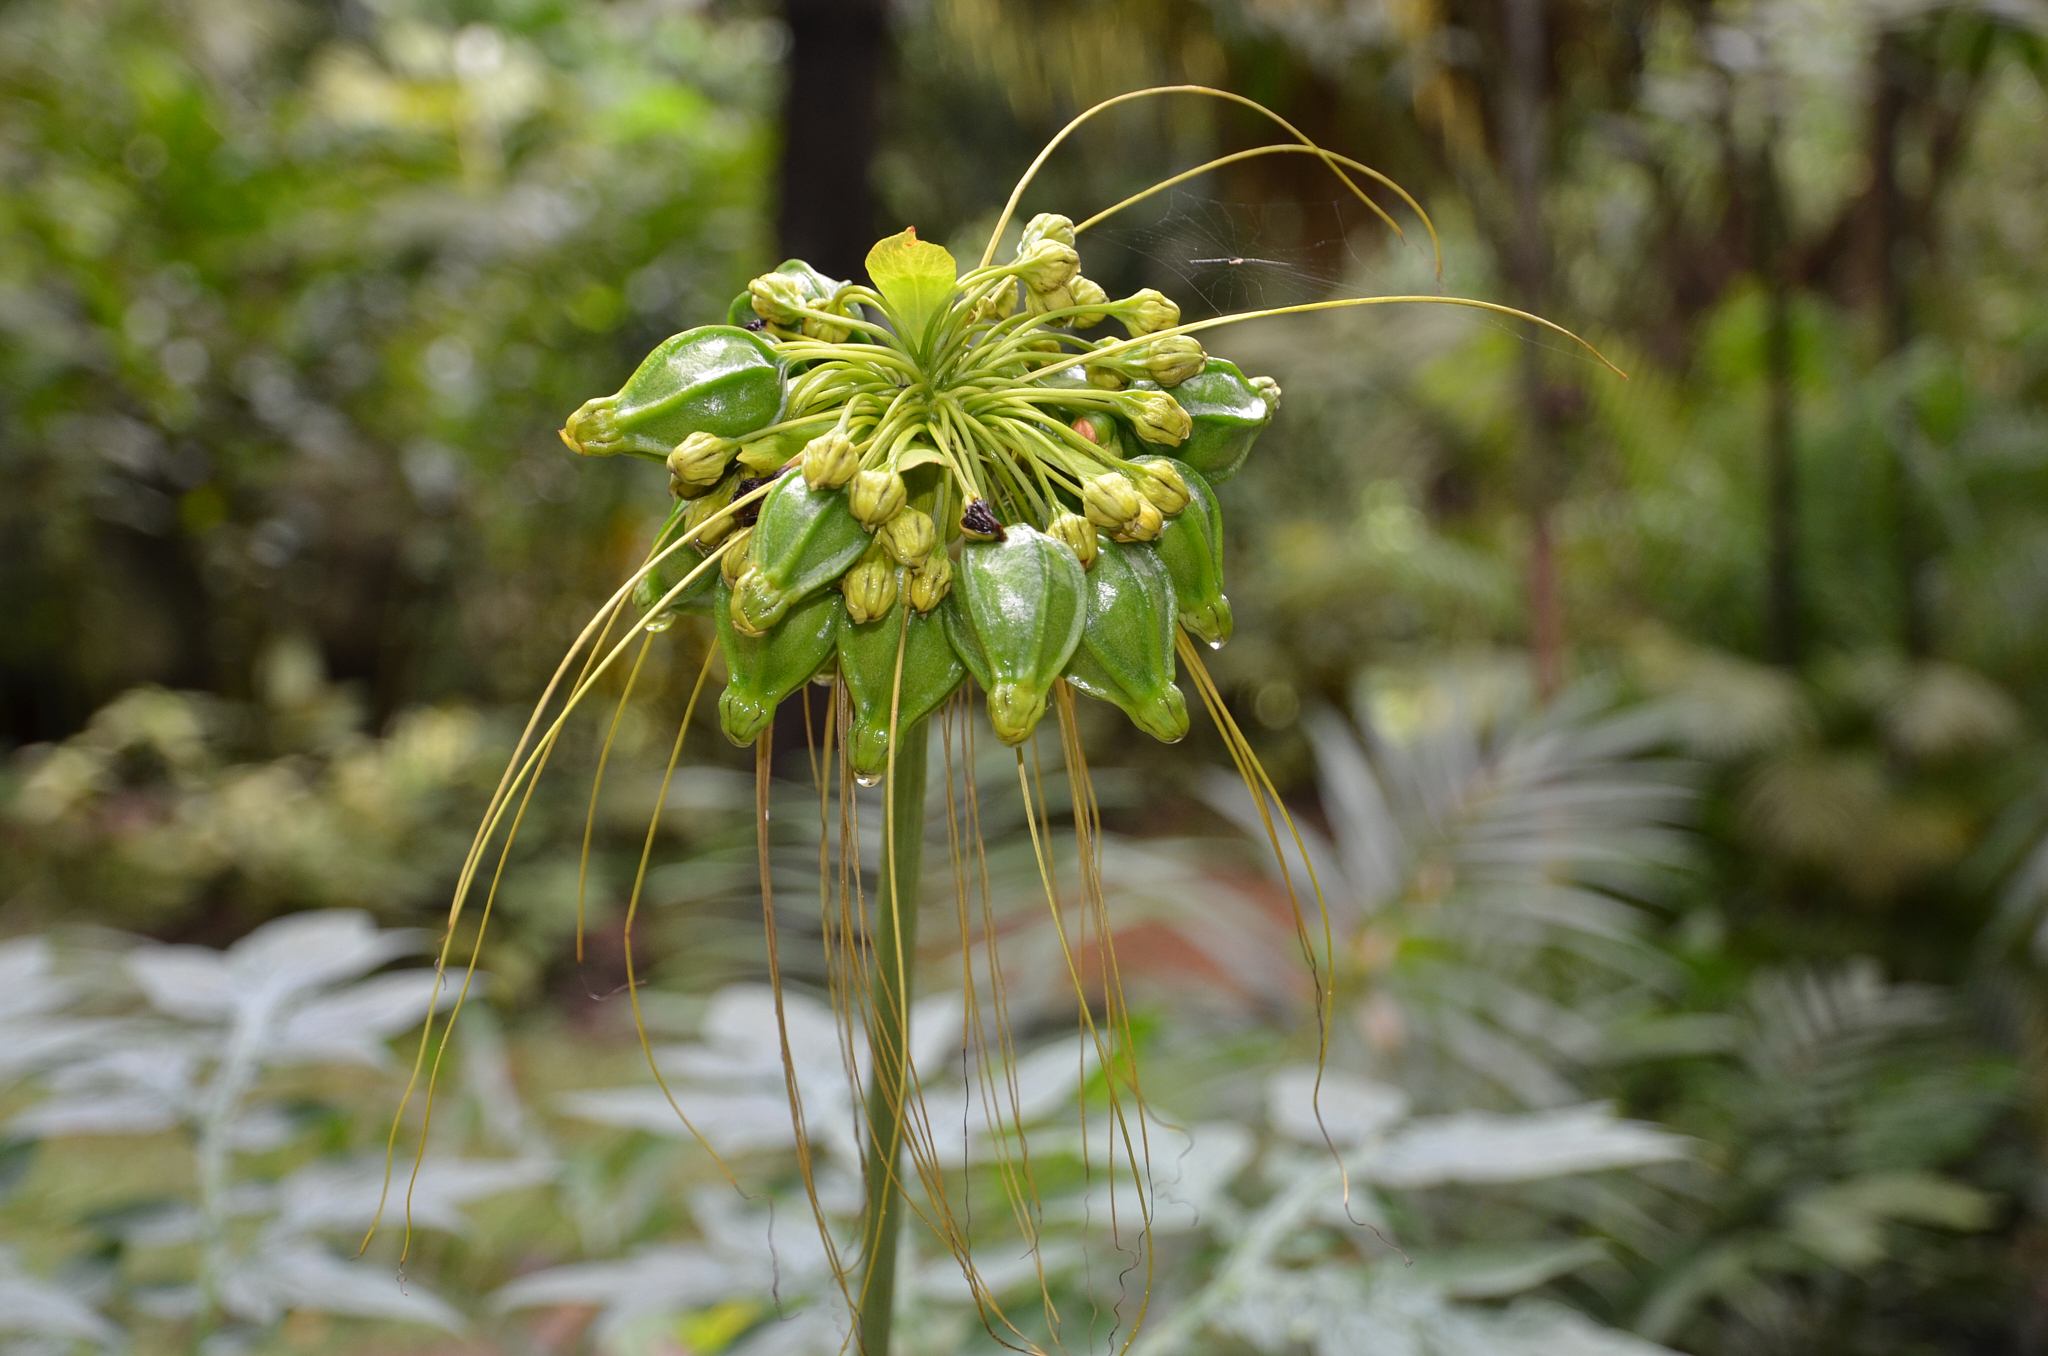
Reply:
x=1524 y=135
x=1773 y=248
x=1895 y=245
x=837 y=52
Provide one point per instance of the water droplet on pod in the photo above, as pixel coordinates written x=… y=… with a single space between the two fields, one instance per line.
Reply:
x=660 y=624
x=1215 y=644
x=868 y=778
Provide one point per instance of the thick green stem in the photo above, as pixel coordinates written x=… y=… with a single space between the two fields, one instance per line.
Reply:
x=895 y=953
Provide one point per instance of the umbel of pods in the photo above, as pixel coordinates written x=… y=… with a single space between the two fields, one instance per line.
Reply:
x=891 y=487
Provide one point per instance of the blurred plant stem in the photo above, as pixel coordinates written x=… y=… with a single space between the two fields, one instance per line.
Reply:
x=895 y=943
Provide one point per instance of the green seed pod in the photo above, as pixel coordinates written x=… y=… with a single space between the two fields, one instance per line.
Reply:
x=1172 y=360
x=876 y=496
x=1226 y=415
x=1105 y=378
x=1191 y=548
x=762 y=670
x=1045 y=226
x=932 y=672
x=714 y=379
x=870 y=588
x=1161 y=483
x=1148 y=312
x=1086 y=292
x=909 y=537
x=1126 y=650
x=829 y=460
x=1048 y=265
x=803 y=540
x=1110 y=500
x=1015 y=618
x=698 y=465
x=930 y=582
x=1077 y=532
x=1158 y=419
x=670 y=571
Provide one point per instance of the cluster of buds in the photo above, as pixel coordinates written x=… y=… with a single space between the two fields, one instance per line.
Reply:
x=986 y=500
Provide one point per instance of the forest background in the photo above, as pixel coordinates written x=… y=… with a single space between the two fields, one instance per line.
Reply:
x=1748 y=649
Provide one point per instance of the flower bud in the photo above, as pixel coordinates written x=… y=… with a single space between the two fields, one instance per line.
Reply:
x=870 y=588
x=909 y=537
x=734 y=562
x=931 y=581
x=998 y=304
x=710 y=509
x=1158 y=418
x=1143 y=526
x=1049 y=265
x=1162 y=485
x=1088 y=292
x=979 y=522
x=1148 y=312
x=1046 y=226
x=1077 y=532
x=1110 y=500
x=698 y=464
x=747 y=589
x=1174 y=359
x=1038 y=303
x=1269 y=390
x=876 y=496
x=829 y=460
x=825 y=331
x=776 y=298
x=1105 y=378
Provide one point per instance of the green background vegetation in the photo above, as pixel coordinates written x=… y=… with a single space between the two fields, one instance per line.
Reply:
x=293 y=297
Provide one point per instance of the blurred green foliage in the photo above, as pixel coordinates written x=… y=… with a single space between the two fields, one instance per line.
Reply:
x=292 y=298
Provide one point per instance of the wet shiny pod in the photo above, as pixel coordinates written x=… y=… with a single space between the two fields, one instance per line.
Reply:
x=1015 y=616
x=762 y=670
x=803 y=540
x=1191 y=547
x=714 y=379
x=1126 y=650
x=1227 y=412
x=932 y=672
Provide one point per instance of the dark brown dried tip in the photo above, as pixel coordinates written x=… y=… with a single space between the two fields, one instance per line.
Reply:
x=756 y=325
x=980 y=521
x=746 y=514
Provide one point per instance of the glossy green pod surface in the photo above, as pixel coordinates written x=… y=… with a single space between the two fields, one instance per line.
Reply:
x=1126 y=650
x=1190 y=545
x=932 y=672
x=1015 y=615
x=803 y=540
x=714 y=379
x=671 y=570
x=1227 y=412
x=762 y=670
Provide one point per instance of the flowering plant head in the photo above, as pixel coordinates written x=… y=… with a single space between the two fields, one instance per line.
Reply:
x=898 y=485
